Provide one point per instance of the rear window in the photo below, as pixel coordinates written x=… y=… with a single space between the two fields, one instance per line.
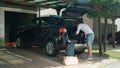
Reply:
x=51 y=20
x=60 y=22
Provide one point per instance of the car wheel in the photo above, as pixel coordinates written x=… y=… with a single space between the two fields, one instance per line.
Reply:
x=118 y=41
x=19 y=43
x=110 y=39
x=51 y=48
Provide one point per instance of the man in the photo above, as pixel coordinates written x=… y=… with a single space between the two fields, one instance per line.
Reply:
x=81 y=37
x=89 y=35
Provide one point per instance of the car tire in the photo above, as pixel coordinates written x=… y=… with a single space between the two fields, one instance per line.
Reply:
x=51 y=48
x=19 y=42
x=118 y=41
x=110 y=39
x=22 y=44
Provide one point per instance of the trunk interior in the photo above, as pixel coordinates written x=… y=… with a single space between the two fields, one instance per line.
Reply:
x=71 y=30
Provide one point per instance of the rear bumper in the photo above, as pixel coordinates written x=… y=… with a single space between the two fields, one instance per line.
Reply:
x=80 y=46
x=77 y=46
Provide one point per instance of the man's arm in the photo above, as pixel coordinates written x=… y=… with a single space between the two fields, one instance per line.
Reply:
x=78 y=29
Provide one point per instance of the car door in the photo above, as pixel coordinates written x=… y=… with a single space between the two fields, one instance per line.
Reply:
x=28 y=34
x=41 y=31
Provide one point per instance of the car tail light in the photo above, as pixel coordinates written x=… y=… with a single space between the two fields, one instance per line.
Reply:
x=62 y=30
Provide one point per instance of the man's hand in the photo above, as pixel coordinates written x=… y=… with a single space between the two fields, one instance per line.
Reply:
x=74 y=35
x=82 y=34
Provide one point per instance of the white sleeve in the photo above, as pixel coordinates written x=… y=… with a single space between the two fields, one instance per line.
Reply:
x=78 y=29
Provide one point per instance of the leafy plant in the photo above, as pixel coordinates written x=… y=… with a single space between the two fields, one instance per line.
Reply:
x=1 y=41
x=105 y=9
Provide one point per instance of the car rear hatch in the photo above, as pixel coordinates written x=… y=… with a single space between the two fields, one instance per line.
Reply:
x=71 y=14
x=71 y=30
x=76 y=10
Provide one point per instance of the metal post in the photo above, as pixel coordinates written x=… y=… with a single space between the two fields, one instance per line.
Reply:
x=39 y=10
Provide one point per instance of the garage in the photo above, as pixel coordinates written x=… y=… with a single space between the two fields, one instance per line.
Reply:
x=12 y=22
x=16 y=13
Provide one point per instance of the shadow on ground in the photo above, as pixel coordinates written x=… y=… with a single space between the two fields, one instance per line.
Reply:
x=35 y=57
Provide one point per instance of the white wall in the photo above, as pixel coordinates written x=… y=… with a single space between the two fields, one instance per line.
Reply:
x=88 y=21
x=2 y=24
x=117 y=22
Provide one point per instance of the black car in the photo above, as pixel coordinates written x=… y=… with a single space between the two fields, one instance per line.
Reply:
x=50 y=32
x=117 y=37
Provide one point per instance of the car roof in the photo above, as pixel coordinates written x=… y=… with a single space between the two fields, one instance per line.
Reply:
x=50 y=16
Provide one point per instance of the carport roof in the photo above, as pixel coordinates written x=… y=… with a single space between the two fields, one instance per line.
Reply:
x=41 y=3
x=56 y=4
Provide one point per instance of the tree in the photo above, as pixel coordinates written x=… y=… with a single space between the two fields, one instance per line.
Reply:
x=104 y=11
x=110 y=9
x=96 y=4
x=105 y=8
x=114 y=13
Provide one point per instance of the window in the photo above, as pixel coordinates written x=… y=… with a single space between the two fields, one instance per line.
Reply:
x=44 y=23
x=33 y=24
x=69 y=23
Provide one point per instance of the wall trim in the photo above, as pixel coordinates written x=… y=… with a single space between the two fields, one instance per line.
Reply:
x=18 y=10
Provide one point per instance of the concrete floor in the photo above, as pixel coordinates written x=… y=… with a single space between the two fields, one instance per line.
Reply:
x=36 y=58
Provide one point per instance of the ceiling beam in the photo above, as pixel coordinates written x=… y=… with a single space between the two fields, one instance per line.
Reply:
x=68 y=0
x=42 y=3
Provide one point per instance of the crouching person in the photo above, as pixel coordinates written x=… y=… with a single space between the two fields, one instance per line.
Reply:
x=70 y=57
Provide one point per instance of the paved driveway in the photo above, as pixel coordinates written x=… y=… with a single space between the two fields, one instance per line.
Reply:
x=27 y=58
x=36 y=58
